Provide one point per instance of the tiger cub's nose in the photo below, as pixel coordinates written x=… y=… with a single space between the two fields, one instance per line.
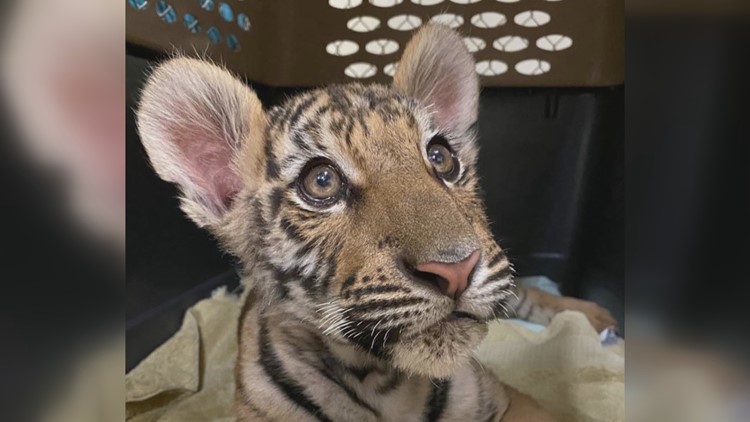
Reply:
x=452 y=277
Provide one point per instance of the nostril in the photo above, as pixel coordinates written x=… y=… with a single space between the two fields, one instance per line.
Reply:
x=452 y=278
x=430 y=279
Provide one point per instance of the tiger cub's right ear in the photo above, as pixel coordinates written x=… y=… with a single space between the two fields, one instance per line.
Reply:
x=438 y=70
x=202 y=129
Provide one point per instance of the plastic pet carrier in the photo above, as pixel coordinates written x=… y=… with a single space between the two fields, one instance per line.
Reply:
x=314 y=42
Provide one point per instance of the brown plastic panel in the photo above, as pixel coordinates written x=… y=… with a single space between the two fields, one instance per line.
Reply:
x=286 y=44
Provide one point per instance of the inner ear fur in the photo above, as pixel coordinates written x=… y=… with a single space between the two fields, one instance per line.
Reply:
x=202 y=130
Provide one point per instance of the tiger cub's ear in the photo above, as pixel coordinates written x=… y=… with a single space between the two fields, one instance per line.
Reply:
x=202 y=129
x=439 y=71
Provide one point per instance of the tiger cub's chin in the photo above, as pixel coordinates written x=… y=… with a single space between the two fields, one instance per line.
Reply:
x=438 y=351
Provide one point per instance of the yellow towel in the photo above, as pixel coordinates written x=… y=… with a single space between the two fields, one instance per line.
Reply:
x=191 y=378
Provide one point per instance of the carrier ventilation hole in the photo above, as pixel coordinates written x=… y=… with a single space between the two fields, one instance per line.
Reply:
x=532 y=18
x=166 y=12
x=385 y=3
x=214 y=35
x=533 y=67
x=404 y=22
x=390 y=69
x=449 y=19
x=427 y=2
x=487 y=20
x=361 y=70
x=344 y=4
x=363 y=23
x=244 y=22
x=382 y=47
x=491 y=67
x=554 y=42
x=474 y=44
x=510 y=43
x=226 y=12
x=342 y=48
x=233 y=43
x=206 y=5
x=138 y=4
x=191 y=23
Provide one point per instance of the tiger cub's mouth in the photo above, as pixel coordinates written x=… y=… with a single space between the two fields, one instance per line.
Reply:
x=456 y=315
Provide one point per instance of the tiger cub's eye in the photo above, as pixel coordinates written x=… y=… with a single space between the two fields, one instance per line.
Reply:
x=442 y=158
x=321 y=183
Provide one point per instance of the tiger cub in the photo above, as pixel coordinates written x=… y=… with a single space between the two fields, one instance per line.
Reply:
x=355 y=210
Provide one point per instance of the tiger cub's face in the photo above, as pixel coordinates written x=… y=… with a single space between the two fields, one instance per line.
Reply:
x=354 y=207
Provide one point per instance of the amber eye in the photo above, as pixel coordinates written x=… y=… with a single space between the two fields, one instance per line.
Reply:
x=442 y=158
x=320 y=183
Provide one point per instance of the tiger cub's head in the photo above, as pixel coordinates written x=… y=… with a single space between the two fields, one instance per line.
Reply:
x=353 y=207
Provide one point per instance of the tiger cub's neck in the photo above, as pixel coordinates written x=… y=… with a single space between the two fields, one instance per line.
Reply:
x=287 y=369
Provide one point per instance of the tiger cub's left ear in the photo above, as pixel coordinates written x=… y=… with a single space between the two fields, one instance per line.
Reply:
x=439 y=71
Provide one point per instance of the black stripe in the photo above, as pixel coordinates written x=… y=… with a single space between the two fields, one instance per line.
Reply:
x=282 y=278
x=411 y=120
x=387 y=303
x=325 y=280
x=348 y=135
x=387 y=288
x=337 y=125
x=329 y=373
x=305 y=249
x=359 y=373
x=495 y=259
x=272 y=168
x=500 y=274
x=362 y=124
x=353 y=195
x=260 y=221
x=375 y=341
x=299 y=140
x=273 y=367
x=291 y=230
x=276 y=196
x=285 y=276
x=320 y=111
x=308 y=283
x=301 y=108
x=437 y=400
x=348 y=283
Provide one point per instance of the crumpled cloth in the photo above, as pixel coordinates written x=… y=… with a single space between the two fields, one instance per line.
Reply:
x=564 y=366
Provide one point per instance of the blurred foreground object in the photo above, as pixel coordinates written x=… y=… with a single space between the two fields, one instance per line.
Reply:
x=63 y=75
x=62 y=174
x=687 y=206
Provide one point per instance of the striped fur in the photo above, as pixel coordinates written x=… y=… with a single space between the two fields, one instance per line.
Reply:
x=336 y=328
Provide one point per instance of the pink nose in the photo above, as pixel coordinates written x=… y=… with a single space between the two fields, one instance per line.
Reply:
x=455 y=275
